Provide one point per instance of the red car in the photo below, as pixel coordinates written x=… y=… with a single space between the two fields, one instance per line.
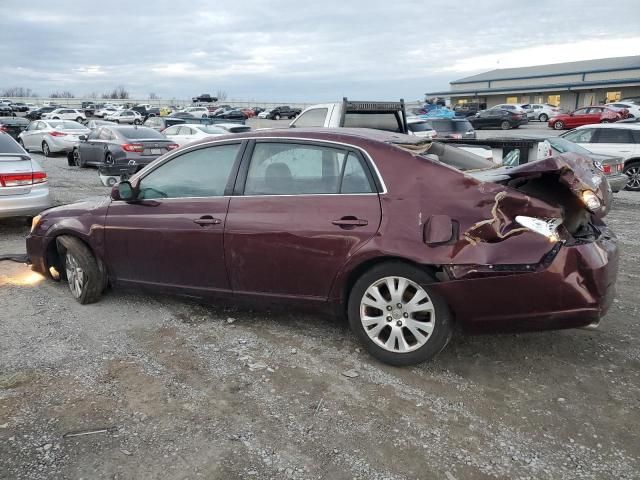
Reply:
x=587 y=116
x=248 y=112
x=405 y=237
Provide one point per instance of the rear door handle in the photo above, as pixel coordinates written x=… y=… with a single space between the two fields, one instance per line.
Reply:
x=207 y=220
x=346 y=222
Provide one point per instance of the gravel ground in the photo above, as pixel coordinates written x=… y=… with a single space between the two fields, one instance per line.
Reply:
x=168 y=388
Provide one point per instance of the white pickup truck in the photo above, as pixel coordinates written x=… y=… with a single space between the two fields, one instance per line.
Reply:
x=390 y=116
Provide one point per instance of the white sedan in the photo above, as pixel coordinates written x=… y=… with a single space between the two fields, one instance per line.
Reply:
x=190 y=132
x=52 y=136
x=65 y=114
x=198 y=112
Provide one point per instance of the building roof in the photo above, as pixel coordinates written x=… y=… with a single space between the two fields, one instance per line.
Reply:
x=597 y=65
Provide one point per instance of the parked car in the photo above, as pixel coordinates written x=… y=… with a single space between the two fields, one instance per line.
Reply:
x=420 y=128
x=6 y=110
x=283 y=112
x=93 y=124
x=105 y=111
x=187 y=133
x=120 y=145
x=611 y=166
x=197 y=111
x=264 y=113
x=468 y=109
x=497 y=117
x=52 y=136
x=389 y=116
x=146 y=111
x=24 y=190
x=125 y=116
x=65 y=114
x=403 y=284
x=633 y=109
x=38 y=112
x=13 y=125
x=585 y=116
x=231 y=115
x=204 y=98
x=541 y=111
x=186 y=115
x=616 y=139
x=512 y=107
x=257 y=110
x=249 y=113
x=452 y=128
x=161 y=123
x=19 y=107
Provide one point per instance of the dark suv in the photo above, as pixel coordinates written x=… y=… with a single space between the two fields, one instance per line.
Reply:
x=452 y=127
x=283 y=112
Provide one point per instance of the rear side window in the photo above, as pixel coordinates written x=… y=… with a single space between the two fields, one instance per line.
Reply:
x=296 y=169
x=580 y=136
x=380 y=121
x=199 y=173
x=614 y=135
x=312 y=118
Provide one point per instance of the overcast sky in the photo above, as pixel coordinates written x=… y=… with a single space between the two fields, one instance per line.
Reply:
x=297 y=50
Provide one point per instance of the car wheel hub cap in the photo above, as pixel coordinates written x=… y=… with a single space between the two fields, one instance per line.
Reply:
x=397 y=314
x=634 y=177
x=75 y=275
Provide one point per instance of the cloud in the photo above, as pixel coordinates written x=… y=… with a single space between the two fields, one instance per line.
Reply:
x=283 y=50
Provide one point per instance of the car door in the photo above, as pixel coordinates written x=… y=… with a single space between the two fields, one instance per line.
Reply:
x=613 y=141
x=299 y=210
x=577 y=118
x=29 y=138
x=172 y=235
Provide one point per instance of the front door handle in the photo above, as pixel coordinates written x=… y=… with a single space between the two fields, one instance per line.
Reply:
x=207 y=220
x=346 y=222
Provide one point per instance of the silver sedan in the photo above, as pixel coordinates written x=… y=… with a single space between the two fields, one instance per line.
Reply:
x=50 y=136
x=24 y=190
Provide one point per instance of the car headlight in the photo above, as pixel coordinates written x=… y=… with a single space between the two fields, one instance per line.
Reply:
x=35 y=222
x=591 y=201
x=547 y=227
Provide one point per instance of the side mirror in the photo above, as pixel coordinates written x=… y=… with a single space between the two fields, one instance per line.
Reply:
x=82 y=138
x=123 y=191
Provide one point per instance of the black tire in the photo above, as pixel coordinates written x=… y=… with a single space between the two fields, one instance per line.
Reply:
x=77 y=158
x=79 y=120
x=632 y=170
x=93 y=276
x=117 y=121
x=605 y=121
x=443 y=328
x=277 y=116
x=559 y=125
x=505 y=125
x=108 y=159
x=46 y=151
x=137 y=122
x=543 y=117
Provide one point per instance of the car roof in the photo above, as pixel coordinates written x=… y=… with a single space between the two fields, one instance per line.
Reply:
x=630 y=126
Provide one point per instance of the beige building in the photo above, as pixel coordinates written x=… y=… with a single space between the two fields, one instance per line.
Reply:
x=569 y=85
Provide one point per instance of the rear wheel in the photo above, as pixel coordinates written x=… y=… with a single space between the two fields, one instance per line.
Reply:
x=605 y=121
x=559 y=125
x=543 y=117
x=505 y=125
x=137 y=122
x=632 y=170
x=79 y=119
x=108 y=159
x=46 y=151
x=77 y=160
x=85 y=277
x=398 y=317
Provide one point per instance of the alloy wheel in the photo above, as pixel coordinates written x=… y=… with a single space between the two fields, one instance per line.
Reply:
x=505 y=125
x=75 y=275
x=558 y=125
x=76 y=158
x=45 y=149
x=543 y=118
x=397 y=314
x=633 y=173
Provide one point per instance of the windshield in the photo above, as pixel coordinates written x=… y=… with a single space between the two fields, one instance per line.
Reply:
x=563 y=146
x=419 y=127
x=67 y=125
x=211 y=129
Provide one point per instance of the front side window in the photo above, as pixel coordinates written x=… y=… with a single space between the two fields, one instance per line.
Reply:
x=296 y=169
x=614 y=135
x=199 y=173
x=580 y=111
x=312 y=118
x=171 y=131
x=595 y=110
x=580 y=136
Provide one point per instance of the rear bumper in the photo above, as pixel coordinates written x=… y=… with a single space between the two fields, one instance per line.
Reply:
x=575 y=290
x=26 y=205
x=617 y=182
x=60 y=144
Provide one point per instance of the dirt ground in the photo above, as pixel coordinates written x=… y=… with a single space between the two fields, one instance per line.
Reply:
x=168 y=388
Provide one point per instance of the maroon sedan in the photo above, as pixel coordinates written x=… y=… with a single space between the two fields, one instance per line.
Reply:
x=406 y=237
x=587 y=116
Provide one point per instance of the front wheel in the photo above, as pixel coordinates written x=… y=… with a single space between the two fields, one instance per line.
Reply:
x=137 y=122
x=85 y=278
x=505 y=125
x=79 y=119
x=543 y=117
x=559 y=125
x=632 y=171
x=277 y=117
x=396 y=314
x=77 y=160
